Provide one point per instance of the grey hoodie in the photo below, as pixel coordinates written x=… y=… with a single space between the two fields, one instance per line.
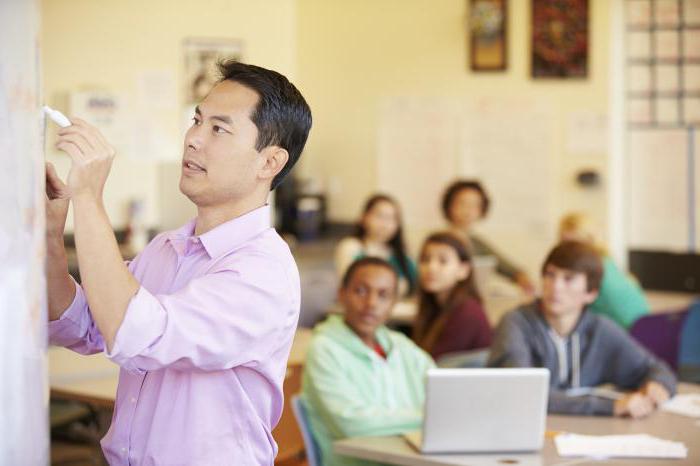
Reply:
x=597 y=352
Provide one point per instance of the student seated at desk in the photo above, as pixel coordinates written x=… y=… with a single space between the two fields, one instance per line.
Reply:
x=450 y=315
x=360 y=378
x=379 y=234
x=464 y=203
x=581 y=349
x=619 y=297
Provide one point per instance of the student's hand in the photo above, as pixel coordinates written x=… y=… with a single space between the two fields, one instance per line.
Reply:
x=657 y=392
x=57 y=199
x=524 y=283
x=635 y=405
x=91 y=156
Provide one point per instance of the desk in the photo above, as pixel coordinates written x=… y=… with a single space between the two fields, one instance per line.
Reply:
x=90 y=379
x=668 y=301
x=395 y=450
x=497 y=304
x=93 y=379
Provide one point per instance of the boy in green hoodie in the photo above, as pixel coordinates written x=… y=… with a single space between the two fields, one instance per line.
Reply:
x=360 y=378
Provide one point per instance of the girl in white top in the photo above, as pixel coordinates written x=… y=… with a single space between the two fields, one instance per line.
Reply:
x=379 y=234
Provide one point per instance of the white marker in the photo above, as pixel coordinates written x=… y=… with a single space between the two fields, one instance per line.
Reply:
x=59 y=118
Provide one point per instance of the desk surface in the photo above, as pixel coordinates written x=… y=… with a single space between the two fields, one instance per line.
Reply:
x=496 y=305
x=395 y=450
x=94 y=378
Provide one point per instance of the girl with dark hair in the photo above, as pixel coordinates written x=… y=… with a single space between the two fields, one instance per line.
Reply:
x=450 y=314
x=379 y=234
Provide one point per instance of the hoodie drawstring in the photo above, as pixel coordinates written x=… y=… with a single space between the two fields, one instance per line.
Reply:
x=560 y=345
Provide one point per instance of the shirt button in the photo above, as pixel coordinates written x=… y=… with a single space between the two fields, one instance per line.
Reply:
x=133 y=400
x=123 y=449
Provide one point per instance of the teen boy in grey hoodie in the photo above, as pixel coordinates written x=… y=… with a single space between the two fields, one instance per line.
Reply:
x=580 y=349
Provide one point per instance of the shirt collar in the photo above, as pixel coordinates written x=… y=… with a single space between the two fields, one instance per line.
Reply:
x=226 y=236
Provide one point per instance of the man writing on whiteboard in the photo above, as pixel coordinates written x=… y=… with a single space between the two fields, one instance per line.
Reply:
x=202 y=321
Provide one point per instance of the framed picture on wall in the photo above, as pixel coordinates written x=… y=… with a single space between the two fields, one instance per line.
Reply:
x=487 y=35
x=559 y=38
x=200 y=57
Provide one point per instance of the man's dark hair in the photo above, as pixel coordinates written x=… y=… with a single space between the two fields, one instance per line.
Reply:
x=364 y=262
x=462 y=185
x=578 y=257
x=282 y=116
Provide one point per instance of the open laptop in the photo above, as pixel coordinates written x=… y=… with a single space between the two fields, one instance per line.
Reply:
x=483 y=410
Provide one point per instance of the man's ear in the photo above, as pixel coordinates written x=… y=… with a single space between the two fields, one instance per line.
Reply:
x=274 y=158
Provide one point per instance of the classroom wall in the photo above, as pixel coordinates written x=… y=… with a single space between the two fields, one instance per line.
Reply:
x=349 y=58
x=115 y=45
x=353 y=56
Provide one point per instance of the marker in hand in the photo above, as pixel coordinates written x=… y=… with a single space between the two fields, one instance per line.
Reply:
x=59 y=118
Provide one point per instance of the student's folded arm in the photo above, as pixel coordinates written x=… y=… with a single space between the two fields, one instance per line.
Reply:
x=561 y=403
x=230 y=317
x=510 y=347
x=503 y=265
x=344 y=410
x=75 y=329
x=632 y=365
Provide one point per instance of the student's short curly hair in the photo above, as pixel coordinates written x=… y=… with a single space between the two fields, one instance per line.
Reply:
x=462 y=185
x=578 y=257
x=282 y=116
x=364 y=262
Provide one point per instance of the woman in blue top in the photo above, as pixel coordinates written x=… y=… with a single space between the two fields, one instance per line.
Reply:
x=379 y=234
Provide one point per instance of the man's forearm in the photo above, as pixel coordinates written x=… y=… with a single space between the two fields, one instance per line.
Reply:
x=60 y=287
x=107 y=282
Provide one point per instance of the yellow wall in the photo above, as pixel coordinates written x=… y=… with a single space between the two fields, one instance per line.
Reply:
x=354 y=54
x=347 y=58
x=105 y=45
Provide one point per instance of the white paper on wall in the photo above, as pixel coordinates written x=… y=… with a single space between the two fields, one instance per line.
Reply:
x=657 y=181
x=506 y=143
x=587 y=133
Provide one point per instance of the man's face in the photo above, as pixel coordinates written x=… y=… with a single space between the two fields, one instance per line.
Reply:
x=564 y=292
x=220 y=162
x=368 y=299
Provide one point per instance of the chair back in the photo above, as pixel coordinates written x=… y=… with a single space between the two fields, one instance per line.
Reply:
x=312 y=456
x=660 y=334
x=689 y=350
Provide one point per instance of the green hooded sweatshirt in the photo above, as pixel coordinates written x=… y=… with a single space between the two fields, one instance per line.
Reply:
x=350 y=391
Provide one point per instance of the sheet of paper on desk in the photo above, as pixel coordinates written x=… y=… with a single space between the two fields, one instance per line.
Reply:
x=618 y=446
x=686 y=404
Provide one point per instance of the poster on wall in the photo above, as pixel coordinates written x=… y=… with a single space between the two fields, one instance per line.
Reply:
x=559 y=38
x=200 y=58
x=487 y=35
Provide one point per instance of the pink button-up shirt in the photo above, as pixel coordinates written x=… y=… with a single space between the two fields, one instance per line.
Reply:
x=203 y=346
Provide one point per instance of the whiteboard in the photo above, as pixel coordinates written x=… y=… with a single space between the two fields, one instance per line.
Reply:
x=657 y=189
x=424 y=143
x=23 y=391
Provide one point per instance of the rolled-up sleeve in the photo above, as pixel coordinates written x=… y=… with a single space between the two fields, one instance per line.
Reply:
x=237 y=315
x=75 y=329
